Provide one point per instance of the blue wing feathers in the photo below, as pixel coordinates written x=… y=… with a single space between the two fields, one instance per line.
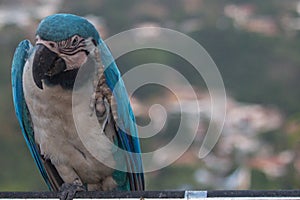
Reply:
x=127 y=132
x=21 y=55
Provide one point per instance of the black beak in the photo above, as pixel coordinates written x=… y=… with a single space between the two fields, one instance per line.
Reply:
x=46 y=64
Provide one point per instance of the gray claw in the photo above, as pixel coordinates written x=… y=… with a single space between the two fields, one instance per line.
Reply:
x=67 y=191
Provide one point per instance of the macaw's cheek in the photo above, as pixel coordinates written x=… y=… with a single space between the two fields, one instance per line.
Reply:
x=46 y=64
x=76 y=60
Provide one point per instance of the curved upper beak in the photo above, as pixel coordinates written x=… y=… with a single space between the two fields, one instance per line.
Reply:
x=46 y=64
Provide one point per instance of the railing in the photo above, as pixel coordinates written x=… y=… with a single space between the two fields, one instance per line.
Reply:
x=151 y=195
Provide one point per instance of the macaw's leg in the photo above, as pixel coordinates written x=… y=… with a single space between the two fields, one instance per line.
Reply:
x=68 y=190
x=107 y=184
x=72 y=184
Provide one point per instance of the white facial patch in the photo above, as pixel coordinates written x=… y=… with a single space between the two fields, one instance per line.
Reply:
x=73 y=51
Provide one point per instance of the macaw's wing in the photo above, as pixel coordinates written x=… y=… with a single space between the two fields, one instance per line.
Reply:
x=47 y=170
x=125 y=121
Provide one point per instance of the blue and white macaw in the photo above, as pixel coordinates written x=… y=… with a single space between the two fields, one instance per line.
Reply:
x=43 y=78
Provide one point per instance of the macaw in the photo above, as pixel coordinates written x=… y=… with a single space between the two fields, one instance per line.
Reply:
x=43 y=78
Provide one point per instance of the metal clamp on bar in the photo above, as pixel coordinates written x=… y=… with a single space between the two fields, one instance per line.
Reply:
x=193 y=194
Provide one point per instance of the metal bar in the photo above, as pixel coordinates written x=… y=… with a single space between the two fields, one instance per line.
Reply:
x=213 y=194
x=253 y=193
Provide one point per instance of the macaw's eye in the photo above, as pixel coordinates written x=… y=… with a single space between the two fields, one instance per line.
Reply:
x=94 y=42
x=74 y=41
x=52 y=44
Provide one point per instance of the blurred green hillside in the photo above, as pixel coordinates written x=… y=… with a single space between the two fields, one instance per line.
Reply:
x=259 y=65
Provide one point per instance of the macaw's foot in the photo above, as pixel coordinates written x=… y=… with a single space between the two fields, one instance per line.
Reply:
x=68 y=190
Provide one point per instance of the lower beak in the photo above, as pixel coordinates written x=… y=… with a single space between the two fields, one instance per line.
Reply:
x=46 y=64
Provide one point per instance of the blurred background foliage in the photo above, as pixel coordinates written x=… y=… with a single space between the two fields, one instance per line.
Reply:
x=256 y=46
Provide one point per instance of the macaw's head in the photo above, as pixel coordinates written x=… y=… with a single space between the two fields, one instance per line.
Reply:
x=63 y=45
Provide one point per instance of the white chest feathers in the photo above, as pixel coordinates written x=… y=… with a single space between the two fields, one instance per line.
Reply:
x=57 y=136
